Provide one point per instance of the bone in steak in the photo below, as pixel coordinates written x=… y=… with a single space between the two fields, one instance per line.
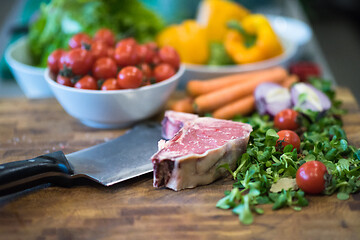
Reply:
x=173 y=122
x=191 y=158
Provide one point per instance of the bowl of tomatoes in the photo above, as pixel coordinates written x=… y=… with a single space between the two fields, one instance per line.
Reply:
x=115 y=85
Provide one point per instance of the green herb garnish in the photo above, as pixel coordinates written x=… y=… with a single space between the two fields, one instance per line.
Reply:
x=322 y=139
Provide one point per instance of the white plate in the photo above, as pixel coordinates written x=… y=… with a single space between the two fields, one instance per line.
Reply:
x=194 y=71
x=293 y=34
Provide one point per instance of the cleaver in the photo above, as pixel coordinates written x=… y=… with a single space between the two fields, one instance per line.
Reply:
x=107 y=163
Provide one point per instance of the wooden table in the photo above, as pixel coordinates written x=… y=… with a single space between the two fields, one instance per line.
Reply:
x=134 y=209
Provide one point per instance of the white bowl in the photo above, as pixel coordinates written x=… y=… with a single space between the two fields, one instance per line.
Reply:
x=30 y=79
x=200 y=72
x=290 y=28
x=117 y=108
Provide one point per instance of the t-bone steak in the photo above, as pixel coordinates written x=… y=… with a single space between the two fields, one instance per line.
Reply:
x=191 y=158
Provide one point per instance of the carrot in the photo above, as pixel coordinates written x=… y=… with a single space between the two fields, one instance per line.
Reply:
x=199 y=87
x=183 y=105
x=290 y=80
x=214 y=100
x=243 y=106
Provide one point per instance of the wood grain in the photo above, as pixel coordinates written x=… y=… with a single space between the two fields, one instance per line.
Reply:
x=134 y=209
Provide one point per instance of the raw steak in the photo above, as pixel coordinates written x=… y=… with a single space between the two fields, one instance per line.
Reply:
x=192 y=156
x=173 y=122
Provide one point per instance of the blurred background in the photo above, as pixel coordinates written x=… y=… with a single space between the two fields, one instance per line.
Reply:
x=335 y=24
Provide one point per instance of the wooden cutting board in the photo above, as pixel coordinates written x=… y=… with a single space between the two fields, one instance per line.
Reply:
x=134 y=209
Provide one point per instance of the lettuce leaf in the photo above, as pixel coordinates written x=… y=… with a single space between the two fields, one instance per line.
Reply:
x=60 y=19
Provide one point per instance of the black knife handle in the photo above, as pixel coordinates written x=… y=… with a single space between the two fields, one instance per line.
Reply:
x=16 y=176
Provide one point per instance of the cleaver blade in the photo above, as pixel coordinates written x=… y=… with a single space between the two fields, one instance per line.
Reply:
x=107 y=163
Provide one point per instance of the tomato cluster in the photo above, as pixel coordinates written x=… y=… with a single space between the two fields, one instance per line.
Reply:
x=311 y=176
x=101 y=63
x=287 y=122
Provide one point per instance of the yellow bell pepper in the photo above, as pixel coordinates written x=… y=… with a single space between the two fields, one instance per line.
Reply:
x=252 y=40
x=189 y=39
x=214 y=15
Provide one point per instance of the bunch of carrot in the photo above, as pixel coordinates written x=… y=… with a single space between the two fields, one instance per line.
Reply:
x=231 y=95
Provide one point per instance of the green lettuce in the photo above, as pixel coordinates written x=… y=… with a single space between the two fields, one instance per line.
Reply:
x=60 y=19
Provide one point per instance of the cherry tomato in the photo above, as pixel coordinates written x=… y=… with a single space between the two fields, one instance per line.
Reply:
x=287 y=137
x=126 y=41
x=66 y=81
x=163 y=71
x=111 y=52
x=145 y=53
x=105 y=35
x=147 y=71
x=99 y=49
x=78 y=60
x=130 y=77
x=86 y=82
x=310 y=177
x=286 y=120
x=104 y=68
x=79 y=39
x=125 y=55
x=152 y=45
x=110 y=84
x=169 y=55
x=156 y=60
x=53 y=60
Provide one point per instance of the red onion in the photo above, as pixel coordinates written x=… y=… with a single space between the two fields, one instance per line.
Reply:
x=272 y=98
x=307 y=97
